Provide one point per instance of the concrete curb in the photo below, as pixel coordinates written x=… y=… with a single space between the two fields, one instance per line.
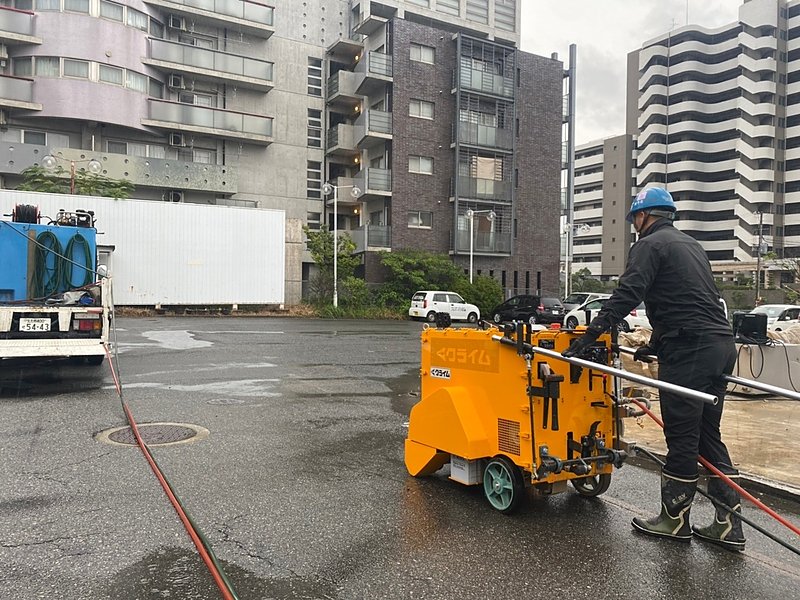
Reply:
x=752 y=483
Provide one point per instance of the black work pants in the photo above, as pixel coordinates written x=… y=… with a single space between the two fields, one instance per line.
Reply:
x=691 y=427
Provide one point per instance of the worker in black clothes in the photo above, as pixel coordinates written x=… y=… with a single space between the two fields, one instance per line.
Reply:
x=693 y=341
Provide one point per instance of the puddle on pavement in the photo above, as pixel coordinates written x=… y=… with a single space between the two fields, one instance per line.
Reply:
x=405 y=391
x=179 y=574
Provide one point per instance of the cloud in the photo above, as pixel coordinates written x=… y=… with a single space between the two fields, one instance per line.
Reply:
x=605 y=31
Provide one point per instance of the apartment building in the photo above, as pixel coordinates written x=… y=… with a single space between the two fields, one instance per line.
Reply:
x=602 y=196
x=426 y=107
x=716 y=115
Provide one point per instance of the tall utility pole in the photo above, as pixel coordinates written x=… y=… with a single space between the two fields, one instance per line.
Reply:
x=758 y=257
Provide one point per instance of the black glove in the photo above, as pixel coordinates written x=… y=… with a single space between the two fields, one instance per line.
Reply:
x=579 y=346
x=644 y=354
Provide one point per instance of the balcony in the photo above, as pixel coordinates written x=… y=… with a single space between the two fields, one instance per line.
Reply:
x=341 y=141
x=16 y=27
x=375 y=70
x=484 y=189
x=369 y=24
x=345 y=51
x=227 y=124
x=378 y=237
x=139 y=170
x=342 y=95
x=484 y=82
x=344 y=198
x=249 y=17
x=17 y=92
x=374 y=127
x=374 y=183
x=484 y=242
x=474 y=134
x=242 y=71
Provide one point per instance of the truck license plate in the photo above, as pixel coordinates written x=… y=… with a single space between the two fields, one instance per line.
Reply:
x=34 y=324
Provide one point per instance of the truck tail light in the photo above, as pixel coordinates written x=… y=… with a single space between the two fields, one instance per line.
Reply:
x=87 y=322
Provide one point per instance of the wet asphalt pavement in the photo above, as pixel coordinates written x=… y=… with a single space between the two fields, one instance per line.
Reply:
x=301 y=489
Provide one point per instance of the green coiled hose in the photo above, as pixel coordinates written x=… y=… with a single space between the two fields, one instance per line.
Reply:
x=86 y=266
x=48 y=270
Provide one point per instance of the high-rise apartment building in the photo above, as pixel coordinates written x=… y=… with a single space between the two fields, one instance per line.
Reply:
x=428 y=107
x=716 y=115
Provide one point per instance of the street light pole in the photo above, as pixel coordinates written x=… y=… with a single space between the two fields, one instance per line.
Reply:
x=355 y=193
x=50 y=162
x=471 y=214
x=758 y=258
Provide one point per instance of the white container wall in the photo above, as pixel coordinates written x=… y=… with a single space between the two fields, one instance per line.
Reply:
x=179 y=254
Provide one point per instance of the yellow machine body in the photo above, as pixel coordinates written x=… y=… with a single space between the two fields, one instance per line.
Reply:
x=477 y=402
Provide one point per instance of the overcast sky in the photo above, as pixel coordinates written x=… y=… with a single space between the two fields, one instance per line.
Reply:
x=604 y=31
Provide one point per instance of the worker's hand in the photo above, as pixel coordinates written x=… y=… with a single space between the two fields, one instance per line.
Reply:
x=644 y=354
x=579 y=346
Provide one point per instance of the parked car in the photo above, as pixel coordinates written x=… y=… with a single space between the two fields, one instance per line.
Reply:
x=773 y=311
x=577 y=316
x=576 y=299
x=425 y=305
x=788 y=317
x=530 y=308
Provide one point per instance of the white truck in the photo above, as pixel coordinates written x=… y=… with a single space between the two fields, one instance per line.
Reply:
x=55 y=303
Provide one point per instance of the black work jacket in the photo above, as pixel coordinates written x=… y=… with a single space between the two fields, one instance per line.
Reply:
x=669 y=270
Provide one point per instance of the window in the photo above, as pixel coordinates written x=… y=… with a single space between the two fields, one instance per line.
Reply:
x=76 y=68
x=22 y=67
x=137 y=19
x=113 y=147
x=421 y=109
x=420 y=219
x=314 y=180
x=313 y=219
x=314 y=128
x=47 y=66
x=197 y=99
x=421 y=53
x=478 y=10
x=111 y=10
x=199 y=41
x=156 y=28
x=111 y=74
x=81 y=6
x=48 y=4
x=420 y=164
x=136 y=81
x=34 y=137
x=314 y=76
x=449 y=7
x=156 y=88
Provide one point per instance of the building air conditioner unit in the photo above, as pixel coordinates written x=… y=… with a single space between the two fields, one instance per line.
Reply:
x=176 y=82
x=175 y=196
x=177 y=140
x=176 y=22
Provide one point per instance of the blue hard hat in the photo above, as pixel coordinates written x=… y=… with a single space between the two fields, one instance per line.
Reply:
x=649 y=199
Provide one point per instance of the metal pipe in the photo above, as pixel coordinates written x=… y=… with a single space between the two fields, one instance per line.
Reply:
x=764 y=387
x=587 y=364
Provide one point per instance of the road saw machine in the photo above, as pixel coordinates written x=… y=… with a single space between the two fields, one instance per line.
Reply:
x=506 y=410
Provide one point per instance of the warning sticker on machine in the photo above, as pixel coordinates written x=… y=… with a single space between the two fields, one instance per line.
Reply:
x=440 y=373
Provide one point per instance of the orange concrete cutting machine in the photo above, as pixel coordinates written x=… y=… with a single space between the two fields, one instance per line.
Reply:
x=504 y=416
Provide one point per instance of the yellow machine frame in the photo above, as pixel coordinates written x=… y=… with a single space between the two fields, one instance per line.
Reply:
x=503 y=416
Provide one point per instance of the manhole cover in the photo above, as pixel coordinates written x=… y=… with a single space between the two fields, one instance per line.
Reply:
x=154 y=434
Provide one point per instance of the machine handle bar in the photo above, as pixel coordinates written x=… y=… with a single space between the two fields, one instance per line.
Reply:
x=587 y=364
x=764 y=387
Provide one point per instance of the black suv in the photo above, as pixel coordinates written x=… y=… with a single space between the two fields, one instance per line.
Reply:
x=533 y=309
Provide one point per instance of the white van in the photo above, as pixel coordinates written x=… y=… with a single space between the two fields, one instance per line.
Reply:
x=425 y=305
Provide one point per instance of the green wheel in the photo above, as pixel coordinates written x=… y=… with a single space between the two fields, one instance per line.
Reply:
x=591 y=486
x=503 y=485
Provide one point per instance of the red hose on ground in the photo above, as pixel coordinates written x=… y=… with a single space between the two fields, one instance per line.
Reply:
x=744 y=493
x=176 y=505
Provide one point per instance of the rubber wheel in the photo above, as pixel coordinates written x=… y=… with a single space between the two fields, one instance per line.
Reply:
x=497 y=318
x=472 y=318
x=593 y=486
x=572 y=323
x=532 y=320
x=503 y=485
x=431 y=317
x=624 y=327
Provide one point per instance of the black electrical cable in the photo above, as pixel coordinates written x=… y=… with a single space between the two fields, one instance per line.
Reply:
x=725 y=507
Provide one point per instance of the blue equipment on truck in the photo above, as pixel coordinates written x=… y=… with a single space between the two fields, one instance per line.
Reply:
x=53 y=303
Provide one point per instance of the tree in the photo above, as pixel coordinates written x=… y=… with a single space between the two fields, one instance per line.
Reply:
x=582 y=281
x=408 y=271
x=39 y=179
x=320 y=245
x=485 y=293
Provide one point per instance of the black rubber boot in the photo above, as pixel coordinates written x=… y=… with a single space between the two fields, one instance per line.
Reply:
x=726 y=529
x=677 y=494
